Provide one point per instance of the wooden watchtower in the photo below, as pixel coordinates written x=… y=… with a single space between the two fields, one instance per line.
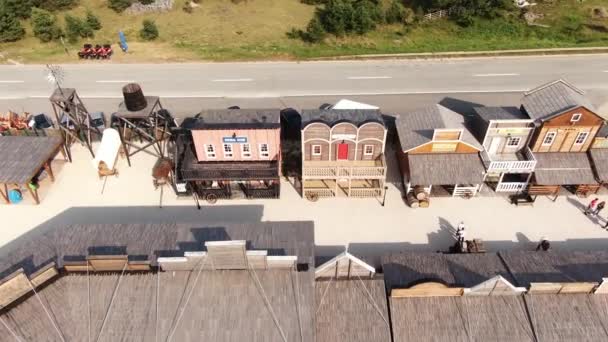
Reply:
x=142 y=122
x=73 y=118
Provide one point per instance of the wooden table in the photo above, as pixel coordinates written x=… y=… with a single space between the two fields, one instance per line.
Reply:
x=22 y=157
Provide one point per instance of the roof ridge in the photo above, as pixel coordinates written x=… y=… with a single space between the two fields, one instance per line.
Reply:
x=548 y=84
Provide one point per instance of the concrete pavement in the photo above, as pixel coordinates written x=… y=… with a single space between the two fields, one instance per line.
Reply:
x=101 y=79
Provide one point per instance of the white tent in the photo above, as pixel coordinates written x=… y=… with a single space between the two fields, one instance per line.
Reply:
x=348 y=104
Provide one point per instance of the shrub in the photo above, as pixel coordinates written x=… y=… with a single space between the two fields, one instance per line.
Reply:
x=146 y=2
x=119 y=5
x=92 y=20
x=44 y=25
x=10 y=27
x=18 y=8
x=76 y=28
x=55 y=5
x=149 y=31
x=314 y=31
x=395 y=12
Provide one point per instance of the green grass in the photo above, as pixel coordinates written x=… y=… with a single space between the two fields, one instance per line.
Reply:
x=220 y=30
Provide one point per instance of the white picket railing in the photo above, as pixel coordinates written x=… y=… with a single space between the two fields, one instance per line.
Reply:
x=365 y=193
x=465 y=191
x=344 y=172
x=510 y=165
x=511 y=187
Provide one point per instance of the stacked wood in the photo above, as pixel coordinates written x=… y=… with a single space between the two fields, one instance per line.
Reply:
x=420 y=193
x=412 y=201
x=424 y=203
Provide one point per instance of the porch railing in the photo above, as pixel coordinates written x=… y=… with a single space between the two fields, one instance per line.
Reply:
x=510 y=165
x=321 y=172
x=365 y=193
x=319 y=192
x=511 y=187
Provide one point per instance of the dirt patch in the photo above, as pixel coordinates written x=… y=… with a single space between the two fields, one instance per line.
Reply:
x=599 y=13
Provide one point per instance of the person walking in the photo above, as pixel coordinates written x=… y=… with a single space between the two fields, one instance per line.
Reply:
x=591 y=207
x=599 y=208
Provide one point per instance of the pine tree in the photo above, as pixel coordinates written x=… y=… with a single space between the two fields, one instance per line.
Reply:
x=10 y=27
x=149 y=31
x=44 y=25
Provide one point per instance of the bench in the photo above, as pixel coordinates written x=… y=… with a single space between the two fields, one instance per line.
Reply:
x=522 y=199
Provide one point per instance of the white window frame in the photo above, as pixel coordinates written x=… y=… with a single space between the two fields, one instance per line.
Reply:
x=245 y=154
x=262 y=153
x=511 y=139
x=585 y=134
x=553 y=135
x=210 y=154
x=315 y=153
x=226 y=153
x=576 y=117
x=365 y=150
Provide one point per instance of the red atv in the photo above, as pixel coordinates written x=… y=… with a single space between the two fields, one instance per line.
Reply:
x=105 y=52
x=87 y=52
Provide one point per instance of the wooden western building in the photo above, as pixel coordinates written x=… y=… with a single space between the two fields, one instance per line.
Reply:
x=599 y=155
x=566 y=126
x=343 y=153
x=504 y=133
x=437 y=153
x=229 y=153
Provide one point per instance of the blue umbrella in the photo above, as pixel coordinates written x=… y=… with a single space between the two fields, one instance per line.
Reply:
x=123 y=41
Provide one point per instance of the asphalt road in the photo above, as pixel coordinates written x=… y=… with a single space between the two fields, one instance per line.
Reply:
x=102 y=79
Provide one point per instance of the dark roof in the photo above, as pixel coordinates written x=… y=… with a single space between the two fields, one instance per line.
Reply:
x=552 y=99
x=351 y=310
x=63 y=95
x=151 y=240
x=460 y=319
x=445 y=168
x=466 y=270
x=603 y=132
x=599 y=158
x=561 y=168
x=21 y=157
x=416 y=128
x=500 y=113
x=334 y=116
x=556 y=266
x=151 y=105
x=234 y=118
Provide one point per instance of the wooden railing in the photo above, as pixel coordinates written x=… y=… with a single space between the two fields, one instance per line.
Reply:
x=511 y=187
x=319 y=192
x=366 y=193
x=320 y=172
x=510 y=165
x=465 y=191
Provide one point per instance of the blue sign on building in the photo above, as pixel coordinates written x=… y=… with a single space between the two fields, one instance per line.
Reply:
x=237 y=140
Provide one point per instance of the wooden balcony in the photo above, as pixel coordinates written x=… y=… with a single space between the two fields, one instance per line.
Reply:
x=522 y=161
x=353 y=169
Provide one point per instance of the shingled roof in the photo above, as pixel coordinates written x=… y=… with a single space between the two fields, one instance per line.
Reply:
x=416 y=128
x=234 y=118
x=557 y=168
x=553 y=98
x=445 y=168
x=599 y=158
x=465 y=270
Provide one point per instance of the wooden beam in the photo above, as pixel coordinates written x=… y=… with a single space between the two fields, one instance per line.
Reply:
x=34 y=193
x=49 y=170
x=4 y=193
x=430 y=289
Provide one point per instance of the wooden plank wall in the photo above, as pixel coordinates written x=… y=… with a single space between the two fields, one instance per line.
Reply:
x=13 y=287
x=44 y=274
x=227 y=255
x=562 y=288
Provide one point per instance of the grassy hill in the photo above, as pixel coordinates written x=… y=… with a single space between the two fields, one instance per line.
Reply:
x=221 y=30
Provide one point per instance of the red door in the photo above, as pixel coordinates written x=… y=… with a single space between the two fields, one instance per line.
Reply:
x=342 y=151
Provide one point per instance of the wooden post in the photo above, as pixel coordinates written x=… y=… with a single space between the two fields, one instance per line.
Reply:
x=49 y=170
x=34 y=193
x=63 y=134
x=5 y=194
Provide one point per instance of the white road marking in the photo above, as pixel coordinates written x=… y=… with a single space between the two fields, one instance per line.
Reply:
x=115 y=81
x=494 y=75
x=368 y=77
x=8 y=81
x=233 y=80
